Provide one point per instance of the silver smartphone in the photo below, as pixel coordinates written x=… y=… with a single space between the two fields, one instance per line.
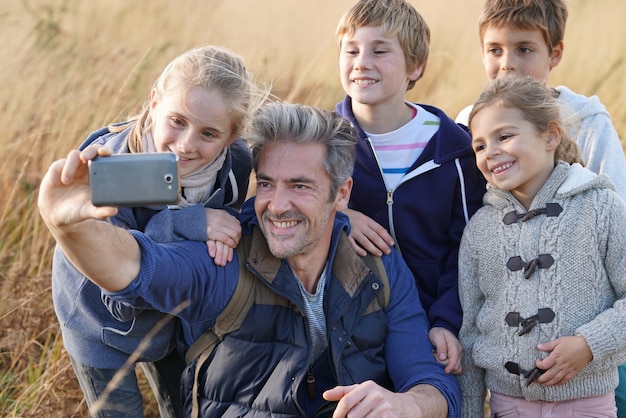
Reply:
x=134 y=179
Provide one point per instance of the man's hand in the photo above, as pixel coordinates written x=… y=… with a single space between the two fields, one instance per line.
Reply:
x=64 y=196
x=448 y=349
x=106 y=254
x=366 y=235
x=371 y=400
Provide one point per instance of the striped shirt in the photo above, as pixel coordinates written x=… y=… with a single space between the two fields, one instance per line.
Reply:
x=396 y=151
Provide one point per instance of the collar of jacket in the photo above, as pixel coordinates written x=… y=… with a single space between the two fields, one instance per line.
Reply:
x=347 y=267
x=456 y=144
x=262 y=260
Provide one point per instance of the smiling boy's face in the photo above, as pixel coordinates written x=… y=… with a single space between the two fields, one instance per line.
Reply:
x=509 y=51
x=372 y=67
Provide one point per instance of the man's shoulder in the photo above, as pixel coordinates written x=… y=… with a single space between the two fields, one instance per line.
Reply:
x=394 y=266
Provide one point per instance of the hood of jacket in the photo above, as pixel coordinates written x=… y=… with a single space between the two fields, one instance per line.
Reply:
x=582 y=106
x=565 y=181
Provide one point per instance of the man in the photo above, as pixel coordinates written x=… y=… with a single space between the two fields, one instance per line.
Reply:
x=315 y=341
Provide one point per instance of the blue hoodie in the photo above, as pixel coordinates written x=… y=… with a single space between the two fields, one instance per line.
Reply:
x=426 y=212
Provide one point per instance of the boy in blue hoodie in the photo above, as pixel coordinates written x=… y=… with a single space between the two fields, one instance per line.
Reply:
x=415 y=180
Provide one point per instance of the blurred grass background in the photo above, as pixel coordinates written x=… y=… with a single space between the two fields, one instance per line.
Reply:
x=71 y=66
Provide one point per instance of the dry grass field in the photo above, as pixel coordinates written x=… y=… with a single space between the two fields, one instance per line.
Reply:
x=71 y=66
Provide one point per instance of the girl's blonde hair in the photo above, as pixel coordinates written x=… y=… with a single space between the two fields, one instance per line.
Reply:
x=211 y=67
x=538 y=104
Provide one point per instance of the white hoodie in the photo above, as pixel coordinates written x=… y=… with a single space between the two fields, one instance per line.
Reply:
x=599 y=143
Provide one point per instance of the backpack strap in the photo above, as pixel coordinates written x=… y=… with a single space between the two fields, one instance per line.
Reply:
x=229 y=320
x=235 y=311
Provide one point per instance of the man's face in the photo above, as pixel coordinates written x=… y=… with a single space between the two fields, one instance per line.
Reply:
x=293 y=202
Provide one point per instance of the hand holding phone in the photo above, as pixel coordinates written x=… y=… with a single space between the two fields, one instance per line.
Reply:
x=142 y=179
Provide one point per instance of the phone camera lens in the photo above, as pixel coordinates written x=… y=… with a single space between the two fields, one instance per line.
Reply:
x=169 y=178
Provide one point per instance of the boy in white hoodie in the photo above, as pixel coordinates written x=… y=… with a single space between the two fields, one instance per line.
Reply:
x=525 y=37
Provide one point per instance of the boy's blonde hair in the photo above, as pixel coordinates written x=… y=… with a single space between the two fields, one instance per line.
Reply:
x=210 y=67
x=539 y=105
x=547 y=16
x=396 y=17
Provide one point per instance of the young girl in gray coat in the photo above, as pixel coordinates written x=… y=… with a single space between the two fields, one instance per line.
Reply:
x=542 y=266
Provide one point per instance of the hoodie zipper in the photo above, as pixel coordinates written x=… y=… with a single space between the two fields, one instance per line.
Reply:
x=430 y=165
x=390 y=192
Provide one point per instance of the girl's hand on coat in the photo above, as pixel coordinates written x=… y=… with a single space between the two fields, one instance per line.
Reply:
x=568 y=356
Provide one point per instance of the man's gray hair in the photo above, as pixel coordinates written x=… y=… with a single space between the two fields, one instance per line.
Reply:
x=285 y=122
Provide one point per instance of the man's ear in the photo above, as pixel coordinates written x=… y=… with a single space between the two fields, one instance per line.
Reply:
x=343 y=195
x=557 y=54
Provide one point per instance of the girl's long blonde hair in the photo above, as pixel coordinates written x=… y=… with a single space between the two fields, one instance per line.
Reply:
x=211 y=67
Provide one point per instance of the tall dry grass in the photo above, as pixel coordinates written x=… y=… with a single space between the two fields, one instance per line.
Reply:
x=70 y=66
